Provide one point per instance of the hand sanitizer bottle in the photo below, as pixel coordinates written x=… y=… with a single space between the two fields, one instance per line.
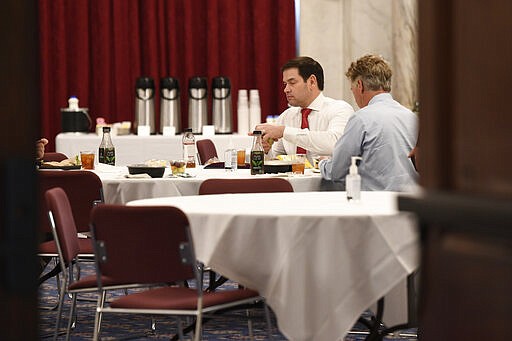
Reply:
x=353 y=181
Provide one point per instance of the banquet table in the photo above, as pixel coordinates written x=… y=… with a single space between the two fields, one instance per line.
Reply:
x=118 y=189
x=133 y=149
x=319 y=260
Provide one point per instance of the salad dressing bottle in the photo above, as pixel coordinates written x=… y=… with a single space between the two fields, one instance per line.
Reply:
x=107 y=152
x=257 y=154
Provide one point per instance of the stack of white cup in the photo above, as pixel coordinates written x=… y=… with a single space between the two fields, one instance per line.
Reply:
x=254 y=108
x=243 y=112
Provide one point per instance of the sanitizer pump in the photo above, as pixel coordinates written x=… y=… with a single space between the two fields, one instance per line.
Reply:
x=353 y=181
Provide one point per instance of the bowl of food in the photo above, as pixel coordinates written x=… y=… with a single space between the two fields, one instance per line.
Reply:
x=277 y=166
x=155 y=171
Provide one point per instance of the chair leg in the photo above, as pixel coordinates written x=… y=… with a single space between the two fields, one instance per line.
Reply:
x=62 y=295
x=249 y=324
x=153 y=324
x=72 y=316
x=198 y=331
x=180 y=329
x=98 y=315
x=267 y=318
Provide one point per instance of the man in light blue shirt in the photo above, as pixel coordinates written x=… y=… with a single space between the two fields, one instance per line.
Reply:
x=382 y=133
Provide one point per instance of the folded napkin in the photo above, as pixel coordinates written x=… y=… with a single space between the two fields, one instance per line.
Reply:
x=138 y=176
x=104 y=168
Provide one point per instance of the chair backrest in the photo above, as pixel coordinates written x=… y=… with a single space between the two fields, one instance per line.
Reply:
x=83 y=189
x=63 y=225
x=261 y=185
x=206 y=150
x=141 y=244
x=54 y=156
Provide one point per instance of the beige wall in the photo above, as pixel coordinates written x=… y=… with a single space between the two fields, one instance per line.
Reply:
x=335 y=32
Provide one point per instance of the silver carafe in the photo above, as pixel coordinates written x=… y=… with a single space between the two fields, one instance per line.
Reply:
x=170 y=115
x=144 y=103
x=197 y=104
x=221 y=112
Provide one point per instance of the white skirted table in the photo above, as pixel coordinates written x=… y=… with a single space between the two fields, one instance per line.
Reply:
x=319 y=260
x=133 y=149
x=117 y=189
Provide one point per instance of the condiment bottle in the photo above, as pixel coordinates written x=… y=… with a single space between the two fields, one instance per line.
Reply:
x=107 y=152
x=189 y=148
x=353 y=181
x=257 y=154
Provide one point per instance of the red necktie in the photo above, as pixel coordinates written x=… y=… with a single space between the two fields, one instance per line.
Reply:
x=304 y=124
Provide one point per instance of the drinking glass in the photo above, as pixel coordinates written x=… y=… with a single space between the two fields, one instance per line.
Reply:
x=298 y=163
x=240 y=157
x=178 y=167
x=87 y=159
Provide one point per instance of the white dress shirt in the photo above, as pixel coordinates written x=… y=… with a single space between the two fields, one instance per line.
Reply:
x=327 y=122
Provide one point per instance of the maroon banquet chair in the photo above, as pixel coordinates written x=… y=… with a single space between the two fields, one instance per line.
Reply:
x=84 y=190
x=206 y=150
x=68 y=249
x=151 y=245
x=256 y=185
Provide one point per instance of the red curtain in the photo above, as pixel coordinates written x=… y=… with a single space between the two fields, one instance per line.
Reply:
x=96 y=49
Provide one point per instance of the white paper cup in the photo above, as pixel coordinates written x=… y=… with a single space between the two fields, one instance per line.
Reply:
x=208 y=130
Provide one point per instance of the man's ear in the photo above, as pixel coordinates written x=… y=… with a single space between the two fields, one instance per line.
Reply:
x=312 y=81
x=360 y=85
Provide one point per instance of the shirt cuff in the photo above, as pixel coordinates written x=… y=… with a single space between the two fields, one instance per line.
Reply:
x=289 y=134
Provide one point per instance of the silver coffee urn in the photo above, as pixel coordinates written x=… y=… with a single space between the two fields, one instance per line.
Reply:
x=221 y=112
x=170 y=115
x=197 y=104
x=144 y=103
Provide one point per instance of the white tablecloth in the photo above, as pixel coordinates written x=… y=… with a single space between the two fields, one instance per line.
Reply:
x=132 y=149
x=117 y=189
x=319 y=260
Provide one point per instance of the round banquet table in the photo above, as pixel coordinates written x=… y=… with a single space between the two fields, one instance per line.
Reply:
x=319 y=260
x=118 y=189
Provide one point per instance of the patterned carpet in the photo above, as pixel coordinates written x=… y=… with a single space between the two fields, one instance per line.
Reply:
x=228 y=326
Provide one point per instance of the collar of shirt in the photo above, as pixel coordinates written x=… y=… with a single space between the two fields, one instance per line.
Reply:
x=316 y=105
x=380 y=98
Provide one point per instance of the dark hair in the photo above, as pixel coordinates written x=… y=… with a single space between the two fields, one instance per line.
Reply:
x=307 y=66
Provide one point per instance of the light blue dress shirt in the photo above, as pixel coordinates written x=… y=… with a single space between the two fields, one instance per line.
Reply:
x=382 y=134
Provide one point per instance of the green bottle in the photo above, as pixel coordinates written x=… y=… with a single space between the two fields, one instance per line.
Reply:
x=257 y=154
x=107 y=152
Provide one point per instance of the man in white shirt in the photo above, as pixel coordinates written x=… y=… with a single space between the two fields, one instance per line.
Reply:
x=313 y=122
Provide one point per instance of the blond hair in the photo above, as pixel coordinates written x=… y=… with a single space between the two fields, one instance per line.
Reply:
x=374 y=72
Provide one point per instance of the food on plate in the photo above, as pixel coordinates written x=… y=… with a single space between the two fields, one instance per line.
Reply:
x=63 y=163
x=156 y=163
x=307 y=164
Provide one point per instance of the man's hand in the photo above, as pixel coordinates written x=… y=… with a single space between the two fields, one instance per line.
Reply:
x=266 y=145
x=270 y=131
x=270 y=134
x=40 y=148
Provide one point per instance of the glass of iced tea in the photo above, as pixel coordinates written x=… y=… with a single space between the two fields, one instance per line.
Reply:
x=298 y=163
x=240 y=157
x=87 y=159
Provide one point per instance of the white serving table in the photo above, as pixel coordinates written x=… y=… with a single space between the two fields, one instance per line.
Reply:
x=117 y=189
x=319 y=260
x=133 y=149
